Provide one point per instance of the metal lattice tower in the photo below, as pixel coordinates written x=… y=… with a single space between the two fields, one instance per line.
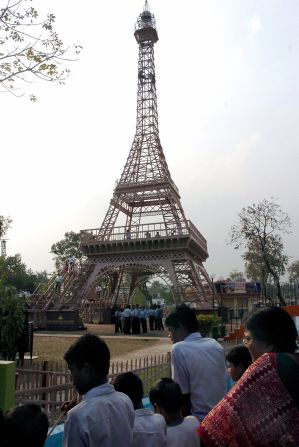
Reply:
x=145 y=232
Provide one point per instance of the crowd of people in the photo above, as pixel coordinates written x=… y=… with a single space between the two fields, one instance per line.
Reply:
x=134 y=319
x=193 y=408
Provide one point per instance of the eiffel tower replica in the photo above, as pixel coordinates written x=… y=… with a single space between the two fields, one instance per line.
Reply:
x=145 y=233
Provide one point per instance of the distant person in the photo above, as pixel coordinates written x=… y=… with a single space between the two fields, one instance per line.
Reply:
x=166 y=396
x=238 y=360
x=26 y=425
x=104 y=417
x=262 y=409
x=117 y=321
x=151 y=318
x=71 y=262
x=127 y=314
x=149 y=428
x=159 y=318
x=136 y=320
x=58 y=282
x=198 y=363
x=143 y=319
x=128 y=234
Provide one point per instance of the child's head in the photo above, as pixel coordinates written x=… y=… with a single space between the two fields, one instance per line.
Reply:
x=25 y=425
x=88 y=360
x=166 y=397
x=238 y=359
x=131 y=385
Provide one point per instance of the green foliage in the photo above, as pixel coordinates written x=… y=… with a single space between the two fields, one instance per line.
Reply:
x=258 y=231
x=68 y=246
x=206 y=323
x=4 y=225
x=30 y=47
x=12 y=316
x=14 y=273
x=158 y=288
x=293 y=271
x=236 y=276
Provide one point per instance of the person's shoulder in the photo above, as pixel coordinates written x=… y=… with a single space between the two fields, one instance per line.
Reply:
x=191 y=420
x=77 y=411
x=123 y=398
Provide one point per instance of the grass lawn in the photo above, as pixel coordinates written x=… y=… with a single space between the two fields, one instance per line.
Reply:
x=53 y=348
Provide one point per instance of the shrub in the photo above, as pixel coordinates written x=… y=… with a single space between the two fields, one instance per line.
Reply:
x=206 y=324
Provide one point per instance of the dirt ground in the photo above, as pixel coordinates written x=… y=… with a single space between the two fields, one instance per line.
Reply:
x=52 y=346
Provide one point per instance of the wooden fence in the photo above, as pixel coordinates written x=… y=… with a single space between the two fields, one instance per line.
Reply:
x=49 y=384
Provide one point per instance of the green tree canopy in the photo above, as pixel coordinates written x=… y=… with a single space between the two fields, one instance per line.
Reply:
x=14 y=273
x=4 y=225
x=68 y=246
x=258 y=232
x=12 y=316
x=293 y=271
x=30 y=47
x=234 y=275
x=158 y=288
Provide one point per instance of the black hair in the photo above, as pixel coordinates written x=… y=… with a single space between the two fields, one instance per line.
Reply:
x=131 y=385
x=274 y=326
x=185 y=316
x=167 y=394
x=26 y=425
x=239 y=355
x=92 y=350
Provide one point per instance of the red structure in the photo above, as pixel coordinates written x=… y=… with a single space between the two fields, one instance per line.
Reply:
x=145 y=233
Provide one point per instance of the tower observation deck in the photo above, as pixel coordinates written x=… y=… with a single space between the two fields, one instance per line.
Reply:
x=144 y=233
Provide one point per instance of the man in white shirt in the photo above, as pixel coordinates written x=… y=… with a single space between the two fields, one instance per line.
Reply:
x=104 y=417
x=166 y=396
x=127 y=314
x=198 y=364
x=143 y=317
x=58 y=282
x=149 y=428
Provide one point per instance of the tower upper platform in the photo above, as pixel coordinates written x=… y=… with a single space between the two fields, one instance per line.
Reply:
x=145 y=28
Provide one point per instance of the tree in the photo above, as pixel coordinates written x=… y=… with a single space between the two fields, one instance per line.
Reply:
x=157 y=288
x=12 y=316
x=29 y=47
x=258 y=231
x=68 y=246
x=4 y=225
x=14 y=273
x=236 y=276
x=293 y=271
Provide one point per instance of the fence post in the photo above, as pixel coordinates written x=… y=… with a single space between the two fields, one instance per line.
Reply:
x=7 y=384
x=44 y=379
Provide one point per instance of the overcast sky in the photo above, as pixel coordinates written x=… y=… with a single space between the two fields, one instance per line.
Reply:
x=228 y=95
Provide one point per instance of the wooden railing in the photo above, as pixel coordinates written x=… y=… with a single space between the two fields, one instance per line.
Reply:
x=49 y=384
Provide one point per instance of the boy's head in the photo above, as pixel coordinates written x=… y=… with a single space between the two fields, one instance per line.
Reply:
x=88 y=360
x=238 y=360
x=181 y=322
x=166 y=397
x=25 y=425
x=131 y=385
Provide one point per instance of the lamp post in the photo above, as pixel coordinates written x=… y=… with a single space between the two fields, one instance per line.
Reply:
x=212 y=276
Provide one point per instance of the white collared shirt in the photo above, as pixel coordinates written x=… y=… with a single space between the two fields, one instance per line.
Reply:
x=149 y=429
x=104 y=418
x=198 y=365
x=143 y=313
x=184 y=434
x=127 y=313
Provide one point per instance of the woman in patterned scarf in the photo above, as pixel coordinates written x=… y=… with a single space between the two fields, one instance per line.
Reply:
x=262 y=409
